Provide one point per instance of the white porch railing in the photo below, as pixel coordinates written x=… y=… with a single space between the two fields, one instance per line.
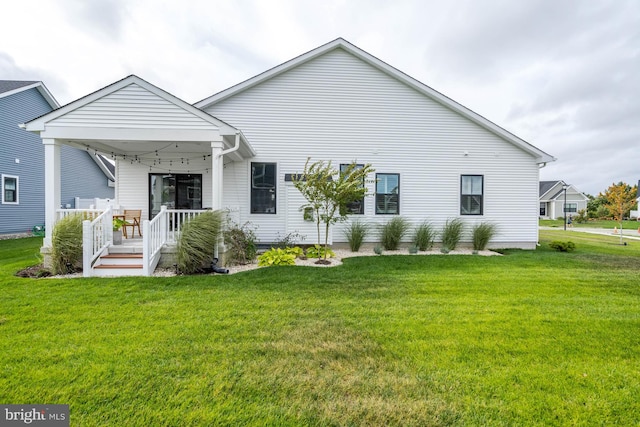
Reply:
x=89 y=214
x=97 y=236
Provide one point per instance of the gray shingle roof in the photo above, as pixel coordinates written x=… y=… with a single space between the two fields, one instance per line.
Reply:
x=9 y=85
x=546 y=186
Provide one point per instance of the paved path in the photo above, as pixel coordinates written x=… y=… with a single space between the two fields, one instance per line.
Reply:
x=627 y=234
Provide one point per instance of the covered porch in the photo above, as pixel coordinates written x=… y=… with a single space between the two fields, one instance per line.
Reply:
x=169 y=159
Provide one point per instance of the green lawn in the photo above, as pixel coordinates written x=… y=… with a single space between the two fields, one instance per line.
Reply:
x=607 y=224
x=529 y=338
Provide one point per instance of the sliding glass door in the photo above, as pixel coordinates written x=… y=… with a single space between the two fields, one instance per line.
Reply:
x=175 y=191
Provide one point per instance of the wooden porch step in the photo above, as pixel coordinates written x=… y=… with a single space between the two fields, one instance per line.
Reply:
x=123 y=255
x=112 y=266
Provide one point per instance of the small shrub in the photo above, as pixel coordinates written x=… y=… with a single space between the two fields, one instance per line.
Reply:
x=563 y=246
x=197 y=241
x=241 y=244
x=66 y=245
x=288 y=241
x=444 y=250
x=393 y=232
x=279 y=256
x=424 y=235
x=317 y=251
x=413 y=249
x=451 y=233
x=378 y=250
x=482 y=234
x=355 y=234
x=582 y=217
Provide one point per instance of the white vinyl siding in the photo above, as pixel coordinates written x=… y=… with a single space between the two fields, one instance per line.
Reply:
x=132 y=107
x=337 y=107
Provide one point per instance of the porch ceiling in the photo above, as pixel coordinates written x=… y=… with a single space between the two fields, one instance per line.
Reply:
x=152 y=150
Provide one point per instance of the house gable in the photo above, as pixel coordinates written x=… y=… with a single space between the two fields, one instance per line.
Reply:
x=208 y=104
x=130 y=109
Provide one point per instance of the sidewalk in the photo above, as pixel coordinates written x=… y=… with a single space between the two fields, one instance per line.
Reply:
x=627 y=234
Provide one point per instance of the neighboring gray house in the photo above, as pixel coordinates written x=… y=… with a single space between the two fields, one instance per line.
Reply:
x=83 y=174
x=636 y=213
x=552 y=197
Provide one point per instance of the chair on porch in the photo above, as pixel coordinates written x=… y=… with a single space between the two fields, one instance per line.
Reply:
x=132 y=219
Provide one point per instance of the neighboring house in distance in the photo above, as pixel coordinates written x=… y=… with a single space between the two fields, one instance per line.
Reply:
x=636 y=213
x=434 y=159
x=83 y=174
x=552 y=198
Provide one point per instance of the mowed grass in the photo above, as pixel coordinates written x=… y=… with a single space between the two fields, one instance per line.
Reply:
x=606 y=224
x=529 y=338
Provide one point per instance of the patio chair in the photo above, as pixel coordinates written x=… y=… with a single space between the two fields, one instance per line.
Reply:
x=132 y=218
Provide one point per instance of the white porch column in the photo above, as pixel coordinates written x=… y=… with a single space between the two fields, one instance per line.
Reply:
x=217 y=166
x=51 y=186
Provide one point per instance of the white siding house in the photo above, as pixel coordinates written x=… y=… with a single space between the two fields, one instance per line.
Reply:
x=341 y=104
x=236 y=150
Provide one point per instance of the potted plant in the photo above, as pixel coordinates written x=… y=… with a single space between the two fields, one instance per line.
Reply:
x=117 y=230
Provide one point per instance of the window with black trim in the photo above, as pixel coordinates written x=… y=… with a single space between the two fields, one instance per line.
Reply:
x=263 y=188
x=10 y=186
x=471 y=194
x=571 y=207
x=387 y=193
x=357 y=206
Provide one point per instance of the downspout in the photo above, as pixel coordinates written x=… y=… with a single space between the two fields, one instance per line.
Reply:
x=222 y=153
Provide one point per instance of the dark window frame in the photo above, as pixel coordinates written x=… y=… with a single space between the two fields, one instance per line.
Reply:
x=15 y=192
x=356 y=204
x=387 y=198
x=192 y=193
x=466 y=200
x=270 y=208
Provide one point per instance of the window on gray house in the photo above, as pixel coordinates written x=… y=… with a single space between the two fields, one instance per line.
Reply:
x=357 y=206
x=471 y=194
x=387 y=193
x=571 y=207
x=263 y=188
x=9 y=189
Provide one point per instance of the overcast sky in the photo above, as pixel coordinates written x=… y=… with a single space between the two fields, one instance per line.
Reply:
x=562 y=75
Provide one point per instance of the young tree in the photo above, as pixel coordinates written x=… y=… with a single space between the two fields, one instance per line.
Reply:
x=620 y=198
x=328 y=192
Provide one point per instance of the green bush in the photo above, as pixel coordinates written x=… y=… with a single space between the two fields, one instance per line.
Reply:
x=241 y=244
x=280 y=256
x=482 y=234
x=197 y=241
x=393 y=232
x=355 y=234
x=582 y=217
x=66 y=245
x=424 y=235
x=378 y=250
x=563 y=246
x=452 y=233
x=317 y=251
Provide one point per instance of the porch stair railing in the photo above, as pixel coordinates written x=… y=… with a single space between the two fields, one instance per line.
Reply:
x=97 y=236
